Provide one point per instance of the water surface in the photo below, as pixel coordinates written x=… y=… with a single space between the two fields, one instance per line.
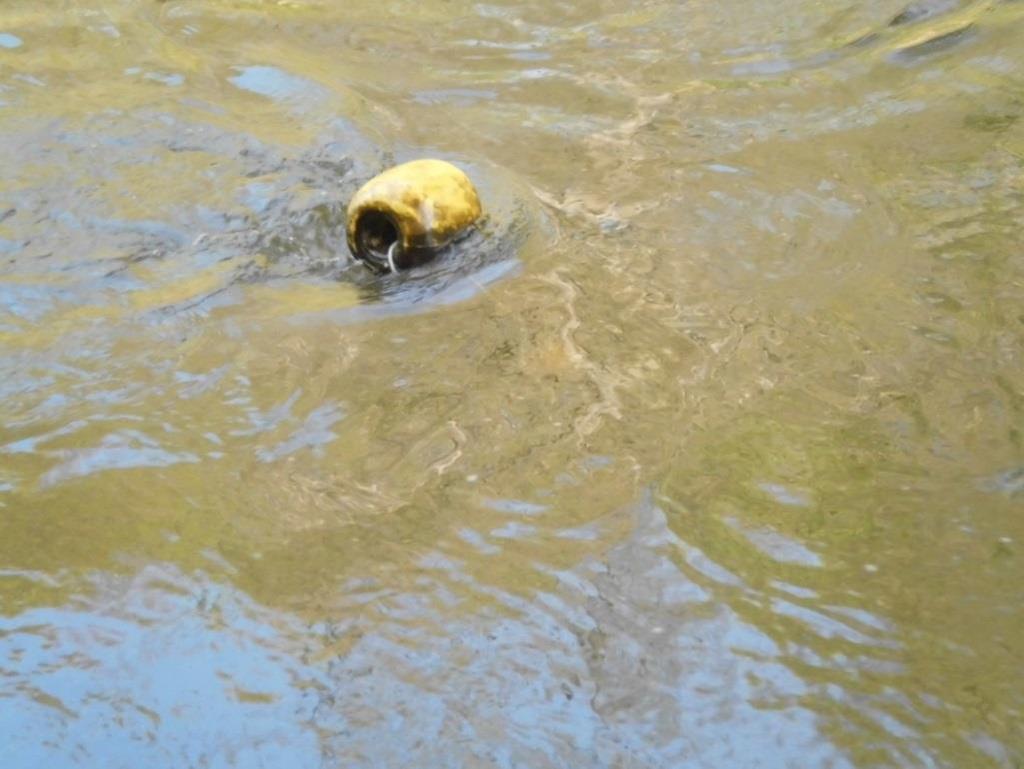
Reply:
x=707 y=453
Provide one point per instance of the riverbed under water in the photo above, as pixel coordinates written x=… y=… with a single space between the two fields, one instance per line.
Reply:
x=707 y=452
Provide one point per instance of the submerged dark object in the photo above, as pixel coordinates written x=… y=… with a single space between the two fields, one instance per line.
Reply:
x=404 y=216
x=921 y=10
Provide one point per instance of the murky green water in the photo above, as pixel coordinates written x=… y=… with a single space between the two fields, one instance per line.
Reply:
x=709 y=454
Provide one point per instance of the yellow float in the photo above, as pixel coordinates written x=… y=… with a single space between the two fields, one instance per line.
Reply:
x=404 y=216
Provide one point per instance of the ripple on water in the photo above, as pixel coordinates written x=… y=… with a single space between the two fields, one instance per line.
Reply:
x=589 y=671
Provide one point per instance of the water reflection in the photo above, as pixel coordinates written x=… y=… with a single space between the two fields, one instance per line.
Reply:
x=155 y=670
x=591 y=670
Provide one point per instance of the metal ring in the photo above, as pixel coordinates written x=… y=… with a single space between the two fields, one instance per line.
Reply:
x=391 y=256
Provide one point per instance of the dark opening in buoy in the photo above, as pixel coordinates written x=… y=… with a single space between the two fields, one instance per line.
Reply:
x=376 y=233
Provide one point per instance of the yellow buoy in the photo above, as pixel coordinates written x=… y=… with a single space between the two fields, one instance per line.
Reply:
x=404 y=216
